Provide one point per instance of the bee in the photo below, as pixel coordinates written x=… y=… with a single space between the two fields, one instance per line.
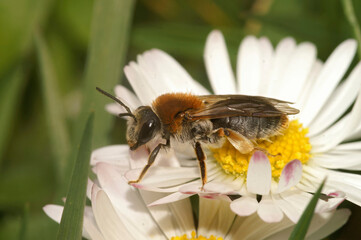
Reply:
x=204 y=120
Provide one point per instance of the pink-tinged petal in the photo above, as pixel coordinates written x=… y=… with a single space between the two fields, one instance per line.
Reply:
x=268 y=211
x=290 y=176
x=244 y=206
x=329 y=205
x=218 y=187
x=54 y=211
x=170 y=198
x=218 y=64
x=249 y=65
x=192 y=188
x=337 y=194
x=259 y=174
x=164 y=177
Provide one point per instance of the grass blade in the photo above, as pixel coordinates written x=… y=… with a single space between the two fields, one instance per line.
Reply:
x=71 y=224
x=300 y=230
x=106 y=55
x=60 y=140
x=10 y=94
x=351 y=17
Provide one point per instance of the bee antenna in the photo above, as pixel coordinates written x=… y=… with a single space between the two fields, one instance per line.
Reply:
x=129 y=113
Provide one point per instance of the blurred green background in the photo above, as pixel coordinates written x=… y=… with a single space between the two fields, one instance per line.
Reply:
x=52 y=56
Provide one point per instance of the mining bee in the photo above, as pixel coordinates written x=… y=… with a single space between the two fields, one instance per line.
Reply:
x=207 y=119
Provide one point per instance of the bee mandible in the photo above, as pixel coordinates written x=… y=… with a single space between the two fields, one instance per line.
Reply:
x=204 y=120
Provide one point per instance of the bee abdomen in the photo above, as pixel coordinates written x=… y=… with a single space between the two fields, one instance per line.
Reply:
x=253 y=127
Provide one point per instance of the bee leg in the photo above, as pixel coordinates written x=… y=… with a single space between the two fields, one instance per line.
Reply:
x=151 y=160
x=201 y=160
x=239 y=142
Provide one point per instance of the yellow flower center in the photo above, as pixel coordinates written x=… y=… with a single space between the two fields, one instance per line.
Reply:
x=193 y=237
x=292 y=144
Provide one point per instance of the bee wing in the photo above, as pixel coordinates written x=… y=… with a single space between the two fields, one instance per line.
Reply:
x=220 y=106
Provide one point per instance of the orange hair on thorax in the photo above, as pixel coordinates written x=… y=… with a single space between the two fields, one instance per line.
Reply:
x=170 y=108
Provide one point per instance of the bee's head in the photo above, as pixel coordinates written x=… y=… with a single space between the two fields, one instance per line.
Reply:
x=143 y=124
x=143 y=128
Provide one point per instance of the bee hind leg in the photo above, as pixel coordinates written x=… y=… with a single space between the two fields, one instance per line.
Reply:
x=201 y=161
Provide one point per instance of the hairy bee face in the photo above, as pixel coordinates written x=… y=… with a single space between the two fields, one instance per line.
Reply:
x=144 y=128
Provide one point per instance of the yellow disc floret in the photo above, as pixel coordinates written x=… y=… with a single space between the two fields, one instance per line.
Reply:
x=194 y=237
x=291 y=144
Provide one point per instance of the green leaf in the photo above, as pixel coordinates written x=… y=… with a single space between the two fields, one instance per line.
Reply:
x=106 y=55
x=71 y=224
x=300 y=230
x=24 y=223
x=352 y=19
x=18 y=19
x=54 y=108
x=10 y=95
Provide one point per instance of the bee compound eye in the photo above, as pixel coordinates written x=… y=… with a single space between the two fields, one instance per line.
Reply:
x=146 y=132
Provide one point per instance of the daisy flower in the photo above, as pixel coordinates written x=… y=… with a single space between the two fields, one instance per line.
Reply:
x=118 y=211
x=315 y=145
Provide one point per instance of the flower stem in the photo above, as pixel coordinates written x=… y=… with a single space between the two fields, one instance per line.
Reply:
x=351 y=17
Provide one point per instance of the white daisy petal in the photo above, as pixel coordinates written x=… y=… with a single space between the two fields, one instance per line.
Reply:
x=339 y=161
x=164 y=176
x=54 y=212
x=143 y=88
x=282 y=54
x=288 y=209
x=128 y=98
x=338 y=103
x=296 y=72
x=114 y=154
x=349 y=146
x=218 y=64
x=339 y=131
x=269 y=211
x=305 y=92
x=115 y=109
x=339 y=218
x=290 y=176
x=244 y=206
x=170 y=198
x=253 y=227
x=330 y=75
x=267 y=55
x=249 y=64
x=259 y=174
x=118 y=189
x=170 y=76
x=107 y=220
x=215 y=217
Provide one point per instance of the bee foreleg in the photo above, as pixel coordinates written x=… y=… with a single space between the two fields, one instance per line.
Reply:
x=151 y=160
x=201 y=161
